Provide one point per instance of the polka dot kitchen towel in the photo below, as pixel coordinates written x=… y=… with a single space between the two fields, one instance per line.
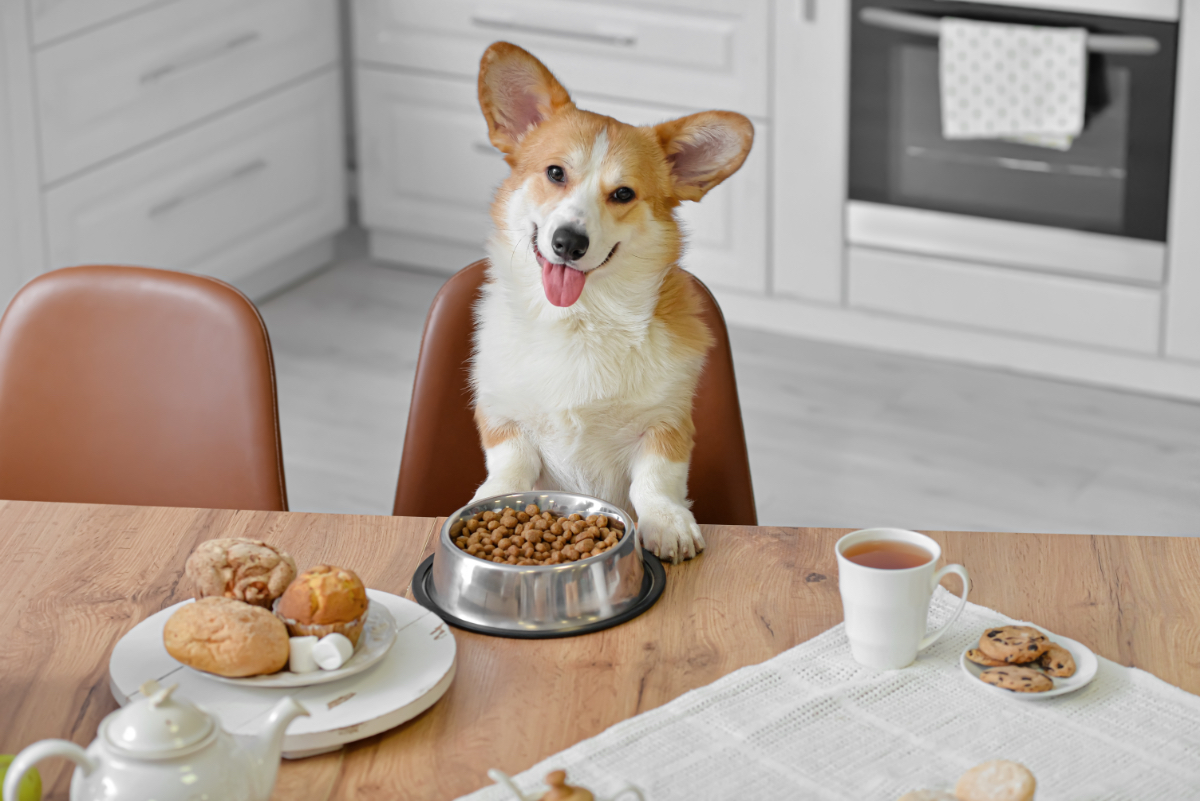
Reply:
x=1023 y=83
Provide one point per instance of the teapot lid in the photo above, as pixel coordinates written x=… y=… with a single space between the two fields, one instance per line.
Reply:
x=157 y=726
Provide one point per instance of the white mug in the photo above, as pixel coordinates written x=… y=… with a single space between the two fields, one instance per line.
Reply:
x=886 y=610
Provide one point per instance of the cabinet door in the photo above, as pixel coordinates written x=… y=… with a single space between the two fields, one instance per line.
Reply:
x=428 y=171
x=691 y=54
x=124 y=85
x=223 y=199
x=812 y=73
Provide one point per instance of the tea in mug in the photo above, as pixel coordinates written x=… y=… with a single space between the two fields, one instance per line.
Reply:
x=887 y=554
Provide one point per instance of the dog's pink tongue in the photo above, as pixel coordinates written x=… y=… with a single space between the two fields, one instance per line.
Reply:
x=563 y=284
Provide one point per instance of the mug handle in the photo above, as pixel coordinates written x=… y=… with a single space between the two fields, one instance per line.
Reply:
x=961 y=572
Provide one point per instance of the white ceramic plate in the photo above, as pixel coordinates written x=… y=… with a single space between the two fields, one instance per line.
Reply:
x=379 y=632
x=415 y=673
x=1086 y=665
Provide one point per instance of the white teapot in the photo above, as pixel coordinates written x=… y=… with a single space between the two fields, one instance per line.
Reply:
x=169 y=750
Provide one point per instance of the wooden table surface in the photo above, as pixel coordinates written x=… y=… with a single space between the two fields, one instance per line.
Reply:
x=78 y=577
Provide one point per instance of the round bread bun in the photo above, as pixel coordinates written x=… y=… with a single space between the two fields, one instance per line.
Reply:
x=324 y=594
x=243 y=569
x=227 y=637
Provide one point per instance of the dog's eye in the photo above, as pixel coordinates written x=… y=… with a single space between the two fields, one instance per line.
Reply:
x=623 y=194
x=555 y=173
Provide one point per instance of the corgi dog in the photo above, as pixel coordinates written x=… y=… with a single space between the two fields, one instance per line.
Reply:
x=588 y=340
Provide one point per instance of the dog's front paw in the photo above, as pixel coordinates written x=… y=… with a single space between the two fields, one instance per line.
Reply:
x=670 y=532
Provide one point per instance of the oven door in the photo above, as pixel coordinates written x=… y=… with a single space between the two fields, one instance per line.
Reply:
x=1000 y=201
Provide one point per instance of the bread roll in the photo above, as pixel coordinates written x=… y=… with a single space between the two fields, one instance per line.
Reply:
x=242 y=569
x=227 y=637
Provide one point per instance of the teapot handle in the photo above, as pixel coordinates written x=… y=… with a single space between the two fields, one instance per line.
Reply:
x=36 y=753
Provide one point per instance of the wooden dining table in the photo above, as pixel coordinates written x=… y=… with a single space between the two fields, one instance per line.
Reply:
x=77 y=577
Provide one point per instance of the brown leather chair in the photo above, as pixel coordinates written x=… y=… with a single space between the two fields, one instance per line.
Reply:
x=442 y=463
x=127 y=385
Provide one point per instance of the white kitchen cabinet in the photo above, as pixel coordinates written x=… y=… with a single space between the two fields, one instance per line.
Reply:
x=21 y=254
x=1027 y=304
x=201 y=135
x=812 y=78
x=428 y=172
x=55 y=19
x=429 y=175
x=115 y=89
x=698 y=55
x=1183 y=270
x=219 y=199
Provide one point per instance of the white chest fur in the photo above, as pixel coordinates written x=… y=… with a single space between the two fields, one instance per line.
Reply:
x=583 y=387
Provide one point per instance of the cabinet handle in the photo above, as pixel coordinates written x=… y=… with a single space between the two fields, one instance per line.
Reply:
x=615 y=39
x=485 y=148
x=200 y=56
x=206 y=187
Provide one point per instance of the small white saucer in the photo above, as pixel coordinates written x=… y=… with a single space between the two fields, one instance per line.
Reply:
x=378 y=634
x=1086 y=665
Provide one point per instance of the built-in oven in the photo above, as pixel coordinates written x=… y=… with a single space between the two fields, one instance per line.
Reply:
x=1097 y=207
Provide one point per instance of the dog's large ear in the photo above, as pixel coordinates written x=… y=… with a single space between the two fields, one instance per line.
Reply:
x=704 y=149
x=516 y=93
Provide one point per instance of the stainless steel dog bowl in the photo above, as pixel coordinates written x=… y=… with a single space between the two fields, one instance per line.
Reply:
x=561 y=598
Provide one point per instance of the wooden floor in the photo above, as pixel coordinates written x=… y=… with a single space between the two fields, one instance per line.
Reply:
x=838 y=436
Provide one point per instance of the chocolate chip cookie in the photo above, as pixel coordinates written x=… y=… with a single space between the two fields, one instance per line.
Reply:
x=1057 y=661
x=1017 y=679
x=1013 y=645
x=979 y=658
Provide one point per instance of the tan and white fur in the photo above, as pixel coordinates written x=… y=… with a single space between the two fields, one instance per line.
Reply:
x=588 y=343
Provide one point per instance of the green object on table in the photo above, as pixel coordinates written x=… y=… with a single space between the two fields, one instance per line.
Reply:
x=30 y=788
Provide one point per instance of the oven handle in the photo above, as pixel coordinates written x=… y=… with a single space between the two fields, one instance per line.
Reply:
x=930 y=26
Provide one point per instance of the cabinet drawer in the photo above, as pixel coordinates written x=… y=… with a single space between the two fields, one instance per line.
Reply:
x=998 y=299
x=104 y=93
x=53 y=19
x=694 y=55
x=223 y=199
x=429 y=171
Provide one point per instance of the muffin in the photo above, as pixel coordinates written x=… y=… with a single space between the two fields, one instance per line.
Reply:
x=242 y=569
x=227 y=637
x=324 y=600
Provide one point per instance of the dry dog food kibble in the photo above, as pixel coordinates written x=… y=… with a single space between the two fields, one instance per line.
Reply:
x=534 y=537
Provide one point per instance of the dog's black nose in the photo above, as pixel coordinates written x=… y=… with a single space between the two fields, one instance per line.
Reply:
x=569 y=243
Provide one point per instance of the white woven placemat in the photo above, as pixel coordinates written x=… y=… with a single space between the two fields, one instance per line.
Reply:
x=812 y=724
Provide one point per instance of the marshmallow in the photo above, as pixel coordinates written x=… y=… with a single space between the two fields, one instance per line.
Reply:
x=332 y=651
x=300 y=654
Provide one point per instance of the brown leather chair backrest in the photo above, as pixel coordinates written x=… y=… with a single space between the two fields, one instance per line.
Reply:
x=442 y=463
x=127 y=385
